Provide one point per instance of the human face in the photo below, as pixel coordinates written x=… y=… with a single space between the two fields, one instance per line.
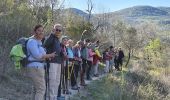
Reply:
x=57 y=31
x=70 y=43
x=39 y=33
x=64 y=41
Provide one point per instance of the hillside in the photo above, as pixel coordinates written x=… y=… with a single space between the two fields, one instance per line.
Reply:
x=136 y=15
x=145 y=72
x=138 y=11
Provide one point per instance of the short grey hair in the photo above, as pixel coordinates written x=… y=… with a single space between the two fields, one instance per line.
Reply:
x=57 y=25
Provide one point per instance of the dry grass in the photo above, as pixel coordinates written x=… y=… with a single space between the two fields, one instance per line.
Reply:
x=134 y=83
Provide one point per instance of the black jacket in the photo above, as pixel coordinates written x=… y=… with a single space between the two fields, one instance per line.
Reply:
x=121 y=55
x=52 y=44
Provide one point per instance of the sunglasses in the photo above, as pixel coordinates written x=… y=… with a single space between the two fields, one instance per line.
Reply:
x=58 y=30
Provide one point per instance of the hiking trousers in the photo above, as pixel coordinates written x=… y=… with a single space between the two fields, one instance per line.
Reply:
x=107 y=66
x=89 y=69
x=54 y=80
x=37 y=76
x=82 y=71
x=74 y=75
x=96 y=68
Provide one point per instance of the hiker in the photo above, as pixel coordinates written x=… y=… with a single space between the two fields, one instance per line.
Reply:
x=111 y=61
x=62 y=85
x=96 y=58
x=77 y=65
x=84 y=52
x=90 y=55
x=69 y=64
x=116 y=59
x=52 y=44
x=106 y=58
x=36 y=57
x=120 y=58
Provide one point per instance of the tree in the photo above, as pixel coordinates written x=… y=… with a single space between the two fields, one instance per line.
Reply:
x=129 y=38
x=89 y=9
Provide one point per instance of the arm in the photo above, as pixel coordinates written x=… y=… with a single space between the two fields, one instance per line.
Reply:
x=91 y=53
x=97 y=53
x=34 y=50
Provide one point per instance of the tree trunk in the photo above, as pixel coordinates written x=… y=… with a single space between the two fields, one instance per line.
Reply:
x=129 y=54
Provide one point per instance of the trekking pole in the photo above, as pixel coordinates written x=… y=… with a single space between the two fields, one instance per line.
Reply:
x=47 y=81
x=64 y=81
x=82 y=34
x=61 y=81
x=69 y=75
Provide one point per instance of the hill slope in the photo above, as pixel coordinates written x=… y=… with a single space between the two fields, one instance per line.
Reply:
x=135 y=15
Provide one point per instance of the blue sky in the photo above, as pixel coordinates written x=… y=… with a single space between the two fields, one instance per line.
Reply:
x=101 y=6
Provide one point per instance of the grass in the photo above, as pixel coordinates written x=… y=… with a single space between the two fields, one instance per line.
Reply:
x=127 y=85
x=14 y=86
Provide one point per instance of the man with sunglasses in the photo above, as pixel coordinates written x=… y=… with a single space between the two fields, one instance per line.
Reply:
x=52 y=44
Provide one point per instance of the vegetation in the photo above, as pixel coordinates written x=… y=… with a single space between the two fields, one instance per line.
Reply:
x=144 y=39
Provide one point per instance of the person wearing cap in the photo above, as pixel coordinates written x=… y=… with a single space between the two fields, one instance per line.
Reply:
x=84 y=56
x=77 y=65
x=62 y=85
x=69 y=64
x=52 y=44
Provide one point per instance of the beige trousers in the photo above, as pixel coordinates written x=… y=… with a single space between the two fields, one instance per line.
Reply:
x=54 y=80
x=37 y=76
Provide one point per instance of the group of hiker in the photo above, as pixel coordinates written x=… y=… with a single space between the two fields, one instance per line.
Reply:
x=55 y=62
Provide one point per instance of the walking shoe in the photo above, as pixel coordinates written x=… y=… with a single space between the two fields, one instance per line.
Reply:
x=74 y=88
x=68 y=92
x=61 y=98
x=83 y=84
x=96 y=75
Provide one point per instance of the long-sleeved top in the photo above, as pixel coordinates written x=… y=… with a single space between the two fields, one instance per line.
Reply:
x=35 y=51
x=52 y=44
x=121 y=55
x=84 y=53
x=90 y=55
x=77 y=55
x=97 y=56
x=70 y=52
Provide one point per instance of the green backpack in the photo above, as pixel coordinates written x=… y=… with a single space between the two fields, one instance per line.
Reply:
x=18 y=53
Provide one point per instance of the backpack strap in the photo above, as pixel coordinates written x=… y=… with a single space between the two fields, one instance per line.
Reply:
x=27 y=56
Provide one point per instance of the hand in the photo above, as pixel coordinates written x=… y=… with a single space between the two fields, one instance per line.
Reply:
x=52 y=55
x=84 y=31
x=75 y=58
x=80 y=59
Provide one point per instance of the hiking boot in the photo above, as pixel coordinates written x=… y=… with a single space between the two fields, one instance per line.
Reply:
x=83 y=84
x=96 y=75
x=74 y=88
x=68 y=92
x=61 y=98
